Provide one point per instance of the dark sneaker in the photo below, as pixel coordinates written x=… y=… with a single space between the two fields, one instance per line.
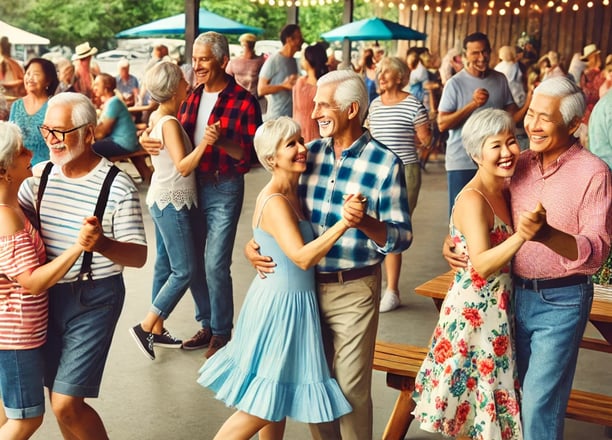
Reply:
x=144 y=340
x=216 y=342
x=166 y=340
x=199 y=340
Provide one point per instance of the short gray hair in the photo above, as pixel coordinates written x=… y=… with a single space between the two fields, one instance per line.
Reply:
x=270 y=135
x=82 y=109
x=350 y=88
x=398 y=66
x=483 y=124
x=572 y=105
x=10 y=140
x=162 y=80
x=218 y=44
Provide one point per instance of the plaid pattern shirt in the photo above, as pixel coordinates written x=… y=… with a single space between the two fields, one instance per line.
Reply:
x=239 y=114
x=366 y=167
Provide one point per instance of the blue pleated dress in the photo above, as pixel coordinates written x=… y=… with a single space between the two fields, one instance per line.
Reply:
x=275 y=367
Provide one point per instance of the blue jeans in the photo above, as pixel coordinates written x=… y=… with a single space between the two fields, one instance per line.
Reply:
x=21 y=383
x=456 y=181
x=220 y=205
x=549 y=327
x=176 y=258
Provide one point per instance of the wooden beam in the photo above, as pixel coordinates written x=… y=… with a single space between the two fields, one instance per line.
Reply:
x=192 y=26
x=347 y=17
x=293 y=14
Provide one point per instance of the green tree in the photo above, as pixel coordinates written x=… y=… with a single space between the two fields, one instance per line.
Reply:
x=71 y=22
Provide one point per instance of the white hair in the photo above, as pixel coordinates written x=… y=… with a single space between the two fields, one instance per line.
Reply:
x=350 y=88
x=271 y=135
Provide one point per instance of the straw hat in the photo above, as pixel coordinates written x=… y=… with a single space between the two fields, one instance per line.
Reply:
x=589 y=50
x=83 y=51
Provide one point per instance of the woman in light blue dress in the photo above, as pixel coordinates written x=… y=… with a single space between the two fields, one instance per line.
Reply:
x=275 y=367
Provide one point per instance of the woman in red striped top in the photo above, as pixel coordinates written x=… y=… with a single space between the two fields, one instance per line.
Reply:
x=23 y=295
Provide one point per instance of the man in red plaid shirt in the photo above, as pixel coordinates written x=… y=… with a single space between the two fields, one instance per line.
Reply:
x=224 y=116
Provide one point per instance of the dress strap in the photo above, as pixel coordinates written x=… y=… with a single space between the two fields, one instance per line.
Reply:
x=268 y=197
x=481 y=194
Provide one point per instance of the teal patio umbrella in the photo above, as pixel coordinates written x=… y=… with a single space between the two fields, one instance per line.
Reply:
x=175 y=25
x=373 y=29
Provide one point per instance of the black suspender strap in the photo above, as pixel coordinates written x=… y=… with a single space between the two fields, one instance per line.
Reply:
x=99 y=213
x=44 y=177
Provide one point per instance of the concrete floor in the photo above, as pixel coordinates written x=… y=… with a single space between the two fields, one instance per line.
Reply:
x=155 y=400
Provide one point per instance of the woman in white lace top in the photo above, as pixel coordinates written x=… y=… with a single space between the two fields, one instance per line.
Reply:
x=172 y=200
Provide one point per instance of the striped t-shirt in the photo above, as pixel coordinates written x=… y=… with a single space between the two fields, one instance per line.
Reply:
x=395 y=126
x=23 y=316
x=67 y=201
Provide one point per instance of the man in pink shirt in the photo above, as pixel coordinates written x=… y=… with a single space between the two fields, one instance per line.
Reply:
x=553 y=291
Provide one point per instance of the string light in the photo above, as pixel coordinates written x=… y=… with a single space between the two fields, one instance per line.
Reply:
x=505 y=6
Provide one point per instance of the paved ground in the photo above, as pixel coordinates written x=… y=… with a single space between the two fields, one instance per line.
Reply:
x=155 y=400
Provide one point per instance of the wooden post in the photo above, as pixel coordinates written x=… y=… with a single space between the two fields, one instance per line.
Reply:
x=293 y=14
x=192 y=26
x=347 y=17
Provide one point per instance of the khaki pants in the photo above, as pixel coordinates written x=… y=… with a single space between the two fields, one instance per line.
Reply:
x=349 y=314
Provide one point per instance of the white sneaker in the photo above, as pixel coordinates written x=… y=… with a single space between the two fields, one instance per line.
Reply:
x=389 y=301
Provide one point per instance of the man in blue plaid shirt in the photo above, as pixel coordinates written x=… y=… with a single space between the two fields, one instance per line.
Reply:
x=348 y=162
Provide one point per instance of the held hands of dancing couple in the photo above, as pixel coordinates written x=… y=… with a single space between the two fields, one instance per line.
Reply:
x=532 y=226
x=353 y=214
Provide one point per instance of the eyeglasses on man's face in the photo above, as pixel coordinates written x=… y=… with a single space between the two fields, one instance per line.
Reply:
x=60 y=135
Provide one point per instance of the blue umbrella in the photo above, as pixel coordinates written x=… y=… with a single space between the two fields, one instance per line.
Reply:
x=175 y=25
x=373 y=29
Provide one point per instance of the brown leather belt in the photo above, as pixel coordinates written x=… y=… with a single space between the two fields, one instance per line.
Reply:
x=551 y=283
x=344 y=276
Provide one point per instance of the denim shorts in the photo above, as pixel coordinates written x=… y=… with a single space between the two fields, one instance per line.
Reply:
x=21 y=383
x=82 y=319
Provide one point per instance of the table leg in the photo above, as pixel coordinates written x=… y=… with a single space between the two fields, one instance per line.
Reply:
x=401 y=417
x=605 y=328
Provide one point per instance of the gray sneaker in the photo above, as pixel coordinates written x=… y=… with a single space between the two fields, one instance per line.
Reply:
x=144 y=340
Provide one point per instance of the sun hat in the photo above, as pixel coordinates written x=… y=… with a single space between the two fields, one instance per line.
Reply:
x=589 y=50
x=247 y=38
x=609 y=60
x=83 y=51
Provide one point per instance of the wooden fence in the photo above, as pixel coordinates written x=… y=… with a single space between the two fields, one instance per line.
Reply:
x=567 y=31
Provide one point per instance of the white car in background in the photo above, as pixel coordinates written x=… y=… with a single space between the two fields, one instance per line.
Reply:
x=108 y=61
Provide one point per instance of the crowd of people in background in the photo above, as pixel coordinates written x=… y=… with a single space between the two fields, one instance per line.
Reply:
x=362 y=127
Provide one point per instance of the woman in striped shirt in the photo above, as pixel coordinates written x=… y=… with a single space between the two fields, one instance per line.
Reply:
x=399 y=121
x=24 y=281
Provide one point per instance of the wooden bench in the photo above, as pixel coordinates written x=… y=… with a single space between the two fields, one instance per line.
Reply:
x=139 y=160
x=401 y=362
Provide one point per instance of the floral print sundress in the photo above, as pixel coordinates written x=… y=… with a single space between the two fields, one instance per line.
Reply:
x=468 y=383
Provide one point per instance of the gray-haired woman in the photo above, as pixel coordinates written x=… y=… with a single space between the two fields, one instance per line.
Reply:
x=468 y=386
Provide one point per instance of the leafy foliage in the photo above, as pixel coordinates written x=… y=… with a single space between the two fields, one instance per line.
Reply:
x=71 y=22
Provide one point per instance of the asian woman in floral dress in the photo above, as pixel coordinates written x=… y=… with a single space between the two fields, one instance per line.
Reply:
x=468 y=386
